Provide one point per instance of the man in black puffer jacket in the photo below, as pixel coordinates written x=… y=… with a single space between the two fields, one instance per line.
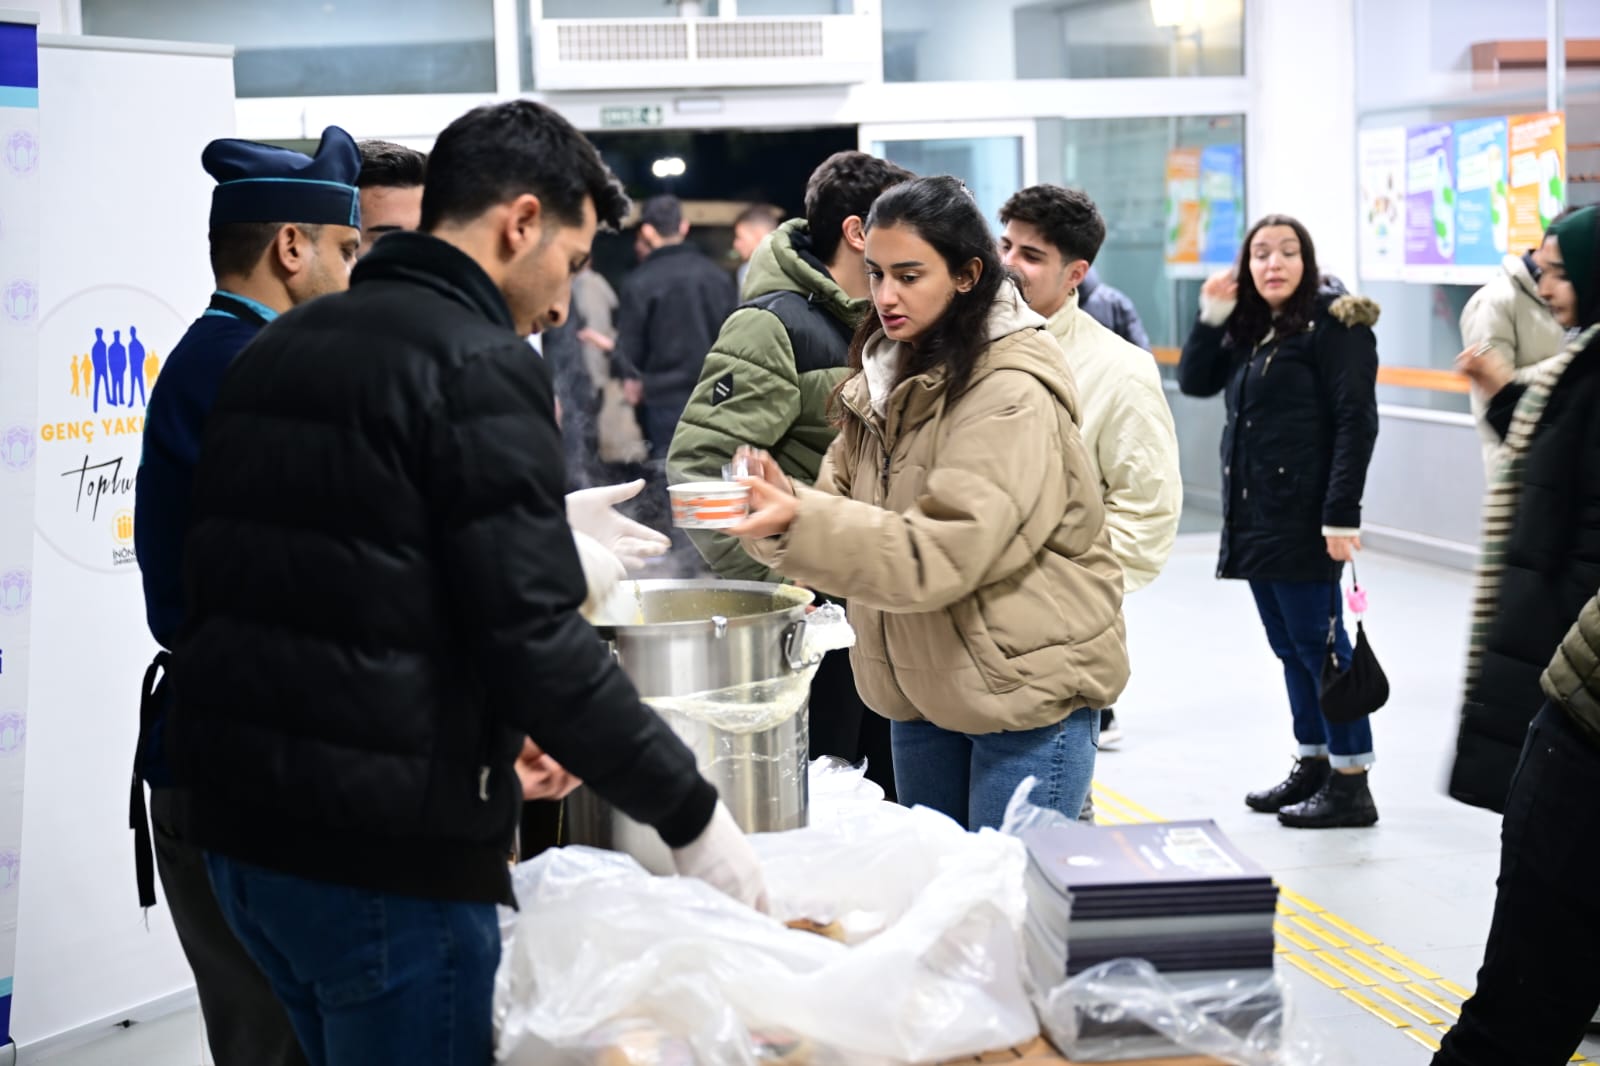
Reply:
x=383 y=600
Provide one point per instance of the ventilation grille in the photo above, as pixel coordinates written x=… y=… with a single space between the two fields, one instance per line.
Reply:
x=622 y=42
x=760 y=40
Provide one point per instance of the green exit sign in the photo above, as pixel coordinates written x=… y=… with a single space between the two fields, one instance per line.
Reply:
x=612 y=118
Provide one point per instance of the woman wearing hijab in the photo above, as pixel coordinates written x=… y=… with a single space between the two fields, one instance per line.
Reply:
x=1541 y=541
x=1539 y=985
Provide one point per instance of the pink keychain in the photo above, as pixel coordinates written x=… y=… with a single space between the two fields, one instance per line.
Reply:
x=1356 y=598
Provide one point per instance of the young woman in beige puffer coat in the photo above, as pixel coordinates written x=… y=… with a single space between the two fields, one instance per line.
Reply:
x=959 y=515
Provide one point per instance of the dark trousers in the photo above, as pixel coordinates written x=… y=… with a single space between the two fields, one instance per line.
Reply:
x=658 y=420
x=845 y=727
x=1540 y=981
x=245 y=1023
x=369 y=978
x=1295 y=616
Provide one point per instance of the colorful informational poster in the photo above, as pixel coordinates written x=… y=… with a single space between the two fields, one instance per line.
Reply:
x=19 y=353
x=1430 y=197
x=1183 y=206
x=1473 y=192
x=1538 y=176
x=1221 y=225
x=1483 y=212
x=1383 y=183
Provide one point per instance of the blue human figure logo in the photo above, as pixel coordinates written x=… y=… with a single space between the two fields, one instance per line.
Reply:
x=119 y=367
x=101 y=377
x=136 y=365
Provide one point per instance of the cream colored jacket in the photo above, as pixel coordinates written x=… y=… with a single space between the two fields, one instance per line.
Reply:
x=1508 y=313
x=1128 y=431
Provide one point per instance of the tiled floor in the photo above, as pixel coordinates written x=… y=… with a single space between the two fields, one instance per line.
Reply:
x=1205 y=720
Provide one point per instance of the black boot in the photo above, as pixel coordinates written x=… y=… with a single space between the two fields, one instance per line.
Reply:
x=1344 y=801
x=1302 y=783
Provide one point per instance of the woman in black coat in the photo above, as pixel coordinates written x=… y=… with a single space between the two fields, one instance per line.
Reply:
x=1540 y=981
x=1541 y=550
x=1298 y=363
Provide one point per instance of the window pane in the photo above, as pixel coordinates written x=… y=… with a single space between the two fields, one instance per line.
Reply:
x=620 y=9
x=1122 y=165
x=795 y=7
x=991 y=166
x=313 y=48
x=958 y=40
x=1443 y=61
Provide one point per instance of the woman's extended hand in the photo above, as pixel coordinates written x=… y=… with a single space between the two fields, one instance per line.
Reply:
x=1486 y=368
x=1343 y=549
x=773 y=504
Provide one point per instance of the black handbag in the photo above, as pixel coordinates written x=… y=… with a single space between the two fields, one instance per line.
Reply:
x=1351 y=694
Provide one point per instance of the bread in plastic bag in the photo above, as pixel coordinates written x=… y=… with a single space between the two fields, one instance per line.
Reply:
x=933 y=972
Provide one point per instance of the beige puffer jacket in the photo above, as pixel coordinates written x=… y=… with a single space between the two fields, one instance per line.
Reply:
x=1508 y=313
x=969 y=539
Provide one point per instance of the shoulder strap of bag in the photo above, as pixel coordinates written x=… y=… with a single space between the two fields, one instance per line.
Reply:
x=820 y=341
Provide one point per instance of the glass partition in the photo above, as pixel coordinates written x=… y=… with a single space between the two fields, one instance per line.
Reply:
x=959 y=40
x=312 y=48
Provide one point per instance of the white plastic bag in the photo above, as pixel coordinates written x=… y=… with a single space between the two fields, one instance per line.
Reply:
x=608 y=964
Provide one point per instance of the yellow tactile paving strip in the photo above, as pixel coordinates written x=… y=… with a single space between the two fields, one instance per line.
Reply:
x=1369 y=973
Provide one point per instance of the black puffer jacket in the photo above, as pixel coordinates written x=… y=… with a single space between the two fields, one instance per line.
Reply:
x=1302 y=422
x=383 y=598
x=1551 y=570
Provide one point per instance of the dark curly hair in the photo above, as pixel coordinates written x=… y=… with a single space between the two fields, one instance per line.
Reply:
x=1067 y=218
x=942 y=212
x=497 y=152
x=1252 y=319
x=845 y=184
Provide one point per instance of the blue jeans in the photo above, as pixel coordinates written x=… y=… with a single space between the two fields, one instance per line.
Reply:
x=971 y=778
x=1295 y=615
x=368 y=978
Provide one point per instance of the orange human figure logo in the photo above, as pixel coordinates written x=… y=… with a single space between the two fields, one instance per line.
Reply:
x=77 y=377
x=152 y=367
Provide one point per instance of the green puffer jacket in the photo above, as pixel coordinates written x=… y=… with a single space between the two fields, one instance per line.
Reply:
x=763 y=386
x=1572 y=680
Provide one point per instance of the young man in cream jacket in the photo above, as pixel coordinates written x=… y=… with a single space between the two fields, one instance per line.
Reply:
x=1051 y=237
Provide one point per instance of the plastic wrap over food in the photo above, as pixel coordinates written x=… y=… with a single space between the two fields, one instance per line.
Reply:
x=610 y=965
x=1124 y=1010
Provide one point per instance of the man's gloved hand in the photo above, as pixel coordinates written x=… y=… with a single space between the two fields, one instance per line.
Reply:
x=724 y=859
x=592 y=512
x=602 y=573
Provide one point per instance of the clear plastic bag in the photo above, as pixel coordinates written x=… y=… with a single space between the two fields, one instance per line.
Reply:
x=610 y=965
x=761 y=705
x=1125 y=1010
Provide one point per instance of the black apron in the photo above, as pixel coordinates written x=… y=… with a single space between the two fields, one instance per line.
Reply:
x=153 y=696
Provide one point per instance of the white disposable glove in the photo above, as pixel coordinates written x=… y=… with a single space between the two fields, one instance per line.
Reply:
x=592 y=512
x=724 y=859
x=602 y=573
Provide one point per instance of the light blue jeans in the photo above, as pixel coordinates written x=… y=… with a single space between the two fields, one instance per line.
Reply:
x=972 y=778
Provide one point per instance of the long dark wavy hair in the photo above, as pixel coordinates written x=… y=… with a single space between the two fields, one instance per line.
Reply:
x=1252 y=319
x=943 y=213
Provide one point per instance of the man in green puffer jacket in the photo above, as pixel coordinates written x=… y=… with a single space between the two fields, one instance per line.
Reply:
x=769 y=378
x=768 y=382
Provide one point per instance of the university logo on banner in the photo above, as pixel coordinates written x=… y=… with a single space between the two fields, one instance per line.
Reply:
x=100 y=352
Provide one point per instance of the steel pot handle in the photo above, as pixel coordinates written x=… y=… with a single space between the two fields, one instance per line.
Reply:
x=793 y=643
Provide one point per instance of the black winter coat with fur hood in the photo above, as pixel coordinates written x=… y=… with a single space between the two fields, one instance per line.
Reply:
x=1302 y=423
